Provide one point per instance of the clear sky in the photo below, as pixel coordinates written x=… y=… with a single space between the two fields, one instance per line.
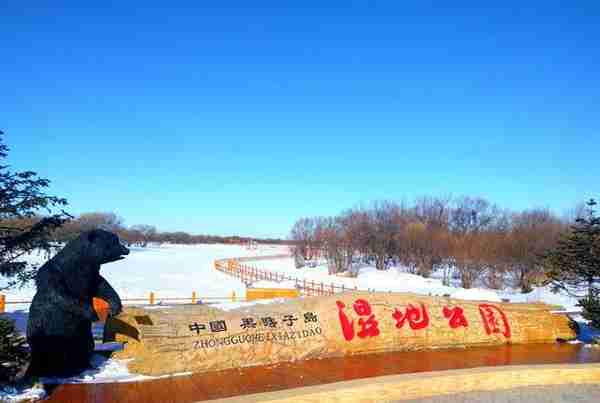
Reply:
x=243 y=117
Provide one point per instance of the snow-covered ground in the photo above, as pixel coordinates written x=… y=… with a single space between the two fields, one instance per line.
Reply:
x=396 y=279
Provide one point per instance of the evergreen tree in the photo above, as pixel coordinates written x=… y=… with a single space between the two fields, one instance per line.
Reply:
x=574 y=265
x=22 y=199
x=13 y=351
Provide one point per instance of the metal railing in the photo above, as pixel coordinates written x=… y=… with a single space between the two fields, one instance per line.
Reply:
x=249 y=274
x=152 y=299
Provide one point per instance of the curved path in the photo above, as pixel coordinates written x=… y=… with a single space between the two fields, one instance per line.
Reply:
x=246 y=381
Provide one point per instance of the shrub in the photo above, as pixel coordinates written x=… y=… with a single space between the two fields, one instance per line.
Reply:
x=591 y=308
x=14 y=354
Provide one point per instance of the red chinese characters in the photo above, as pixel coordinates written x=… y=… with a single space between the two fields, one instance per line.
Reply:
x=456 y=317
x=494 y=320
x=369 y=327
x=417 y=317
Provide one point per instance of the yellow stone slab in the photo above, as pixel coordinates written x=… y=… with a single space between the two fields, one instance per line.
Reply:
x=199 y=338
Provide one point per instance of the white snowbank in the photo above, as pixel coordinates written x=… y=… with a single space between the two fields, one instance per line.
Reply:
x=10 y=394
x=395 y=279
x=103 y=370
x=228 y=306
x=477 y=294
x=545 y=294
x=274 y=284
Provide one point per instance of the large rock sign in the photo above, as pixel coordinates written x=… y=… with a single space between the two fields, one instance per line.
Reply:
x=200 y=338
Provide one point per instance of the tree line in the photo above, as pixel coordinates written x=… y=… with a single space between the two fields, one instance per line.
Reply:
x=469 y=237
x=134 y=235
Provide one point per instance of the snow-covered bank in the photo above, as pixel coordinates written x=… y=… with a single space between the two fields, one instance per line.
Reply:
x=396 y=279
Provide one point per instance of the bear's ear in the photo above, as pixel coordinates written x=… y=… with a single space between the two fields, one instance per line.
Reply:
x=92 y=236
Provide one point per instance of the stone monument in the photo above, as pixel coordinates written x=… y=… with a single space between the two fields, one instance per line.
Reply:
x=200 y=338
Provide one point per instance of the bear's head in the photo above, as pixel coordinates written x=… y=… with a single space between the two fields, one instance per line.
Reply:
x=101 y=247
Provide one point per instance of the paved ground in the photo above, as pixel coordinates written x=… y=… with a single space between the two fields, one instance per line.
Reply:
x=283 y=380
x=538 y=394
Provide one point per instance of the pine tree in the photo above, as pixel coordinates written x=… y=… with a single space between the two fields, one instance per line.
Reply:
x=574 y=265
x=22 y=230
x=13 y=351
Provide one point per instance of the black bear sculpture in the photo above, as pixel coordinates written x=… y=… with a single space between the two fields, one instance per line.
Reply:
x=59 y=328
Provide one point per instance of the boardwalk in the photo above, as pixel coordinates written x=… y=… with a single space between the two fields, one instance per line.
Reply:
x=237 y=382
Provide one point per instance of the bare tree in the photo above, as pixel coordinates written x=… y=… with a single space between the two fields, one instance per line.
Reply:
x=426 y=247
x=468 y=219
x=303 y=233
x=433 y=211
x=332 y=235
x=533 y=233
x=466 y=234
x=146 y=233
x=384 y=224
x=426 y=236
x=106 y=221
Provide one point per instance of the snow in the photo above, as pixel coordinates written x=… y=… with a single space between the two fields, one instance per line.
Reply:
x=228 y=306
x=477 y=294
x=11 y=394
x=586 y=333
x=168 y=271
x=103 y=370
x=395 y=279
x=274 y=284
x=545 y=294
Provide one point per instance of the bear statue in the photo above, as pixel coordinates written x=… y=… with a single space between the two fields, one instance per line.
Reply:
x=59 y=328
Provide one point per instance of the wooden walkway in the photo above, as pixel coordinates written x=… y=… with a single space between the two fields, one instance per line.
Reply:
x=198 y=387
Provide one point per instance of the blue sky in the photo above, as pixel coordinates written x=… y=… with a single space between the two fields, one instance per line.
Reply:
x=242 y=118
